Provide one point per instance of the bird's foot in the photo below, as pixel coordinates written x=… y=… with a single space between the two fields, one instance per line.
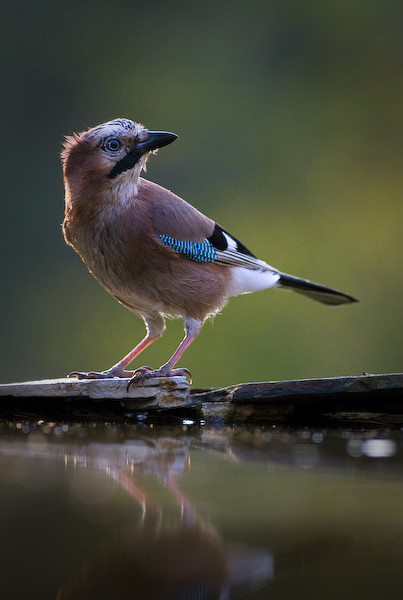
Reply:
x=115 y=371
x=143 y=373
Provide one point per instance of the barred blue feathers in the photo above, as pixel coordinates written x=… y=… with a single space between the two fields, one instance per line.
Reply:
x=202 y=253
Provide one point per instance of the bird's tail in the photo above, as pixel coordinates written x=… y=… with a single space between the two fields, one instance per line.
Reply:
x=315 y=291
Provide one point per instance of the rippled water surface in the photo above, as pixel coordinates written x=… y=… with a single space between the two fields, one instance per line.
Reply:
x=190 y=512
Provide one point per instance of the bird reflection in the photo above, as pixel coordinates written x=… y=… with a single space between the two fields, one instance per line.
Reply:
x=160 y=555
x=175 y=561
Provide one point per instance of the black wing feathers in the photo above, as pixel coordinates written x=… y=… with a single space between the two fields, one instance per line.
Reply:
x=219 y=241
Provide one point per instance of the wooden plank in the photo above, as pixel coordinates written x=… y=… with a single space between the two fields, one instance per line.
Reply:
x=370 y=400
x=301 y=389
x=157 y=393
x=367 y=400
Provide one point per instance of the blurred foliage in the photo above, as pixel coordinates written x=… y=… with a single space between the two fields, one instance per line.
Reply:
x=290 y=118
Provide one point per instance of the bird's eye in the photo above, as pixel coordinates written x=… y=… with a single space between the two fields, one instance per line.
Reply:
x=112 y=145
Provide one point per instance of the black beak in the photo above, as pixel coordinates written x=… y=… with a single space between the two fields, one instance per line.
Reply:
x=156 y=139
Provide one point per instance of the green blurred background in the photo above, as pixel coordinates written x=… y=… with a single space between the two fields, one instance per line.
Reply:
x=290 y=119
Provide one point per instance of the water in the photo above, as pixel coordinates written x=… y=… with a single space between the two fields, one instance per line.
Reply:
x=191 y=512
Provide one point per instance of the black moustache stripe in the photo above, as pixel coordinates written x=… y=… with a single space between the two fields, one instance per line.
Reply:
x=126 y=163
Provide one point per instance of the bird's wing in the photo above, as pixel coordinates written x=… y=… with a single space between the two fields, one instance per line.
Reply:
x=186 y=231
x=220 y=248
x=232 y=252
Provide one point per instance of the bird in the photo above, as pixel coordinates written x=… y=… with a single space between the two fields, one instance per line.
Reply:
x=151 y=250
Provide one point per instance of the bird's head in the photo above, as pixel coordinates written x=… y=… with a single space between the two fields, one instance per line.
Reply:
x=111 y=153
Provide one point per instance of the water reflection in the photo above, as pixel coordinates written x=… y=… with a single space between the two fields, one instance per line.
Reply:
x=212 y=514
x=183 y=558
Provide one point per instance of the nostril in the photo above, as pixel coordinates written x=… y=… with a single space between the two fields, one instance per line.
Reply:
x=143 y=135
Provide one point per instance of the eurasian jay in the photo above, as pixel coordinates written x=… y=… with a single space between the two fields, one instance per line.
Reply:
x=154 y=252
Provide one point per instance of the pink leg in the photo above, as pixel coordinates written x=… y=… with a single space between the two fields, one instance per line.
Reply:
x=118 y=370
x=135 y=352
x=192 y=330
x=184 y=345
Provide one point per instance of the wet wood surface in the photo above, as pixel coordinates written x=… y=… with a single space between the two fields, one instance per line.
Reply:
x=96 y=399
x=370 y=400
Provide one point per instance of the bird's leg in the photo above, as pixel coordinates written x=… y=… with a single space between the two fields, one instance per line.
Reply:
x=118 y=370
x=155 y=325
x=192 y=330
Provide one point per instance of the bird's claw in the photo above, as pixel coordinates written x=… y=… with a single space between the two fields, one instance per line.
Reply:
x=139 y=375
x=110 y=373
x=84 y=375
x=183 y=371
x=143 y=373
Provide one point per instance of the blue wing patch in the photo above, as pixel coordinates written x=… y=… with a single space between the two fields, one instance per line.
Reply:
x=204 y=252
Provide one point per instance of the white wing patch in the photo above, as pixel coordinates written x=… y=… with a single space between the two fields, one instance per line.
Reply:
x=232 y=245
x=235 y=254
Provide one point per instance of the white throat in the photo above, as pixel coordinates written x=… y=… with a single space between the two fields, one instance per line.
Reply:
x=125 y=185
